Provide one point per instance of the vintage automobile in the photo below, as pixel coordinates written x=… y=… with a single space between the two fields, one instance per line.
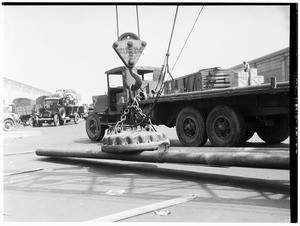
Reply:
x=56 y=109
x=10 y=119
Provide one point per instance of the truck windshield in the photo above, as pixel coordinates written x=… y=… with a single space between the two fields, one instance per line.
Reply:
x=50 y=103
x=115 y=80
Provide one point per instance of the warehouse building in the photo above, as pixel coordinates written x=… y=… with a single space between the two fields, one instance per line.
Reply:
x=272 y=65
x=276 y=64
x=13 y=89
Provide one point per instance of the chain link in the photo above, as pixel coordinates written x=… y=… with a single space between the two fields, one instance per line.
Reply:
x=120 y=124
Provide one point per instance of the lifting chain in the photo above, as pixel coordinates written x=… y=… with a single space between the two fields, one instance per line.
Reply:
x=135 y=136
x=131 y=107
x=126 y=138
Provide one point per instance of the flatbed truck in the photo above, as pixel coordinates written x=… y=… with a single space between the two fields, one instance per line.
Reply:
x=226 y=116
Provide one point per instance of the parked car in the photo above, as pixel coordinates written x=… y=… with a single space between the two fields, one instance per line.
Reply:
x=10 y=119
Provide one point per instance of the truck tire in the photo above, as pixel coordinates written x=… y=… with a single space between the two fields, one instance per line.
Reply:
x=8 y=125
x=30 y=121
x=62 y=115
x=76 y=118
x=93 y=127
x=190 y=127
x=277 y=133
x=56 y=120
x=225 y=127
x=36 y=123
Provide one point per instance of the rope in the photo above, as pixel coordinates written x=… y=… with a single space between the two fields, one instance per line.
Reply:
x=137 y=18
x=187 y=38
x=117 y=19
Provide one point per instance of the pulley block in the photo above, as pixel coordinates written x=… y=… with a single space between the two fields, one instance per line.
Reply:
x=129 y=48
x=130 y=140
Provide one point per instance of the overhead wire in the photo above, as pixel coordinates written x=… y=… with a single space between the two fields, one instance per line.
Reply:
x=166 y=60
x=187 y=39
x=164 y=69
x=165 y=66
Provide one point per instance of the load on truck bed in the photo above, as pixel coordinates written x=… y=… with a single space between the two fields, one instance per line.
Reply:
x=23 y=108
x=223 y=106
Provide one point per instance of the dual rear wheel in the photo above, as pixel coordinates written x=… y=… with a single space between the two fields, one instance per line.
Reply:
x=225 y=127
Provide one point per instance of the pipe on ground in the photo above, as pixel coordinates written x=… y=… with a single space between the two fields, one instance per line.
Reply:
x=239 y=157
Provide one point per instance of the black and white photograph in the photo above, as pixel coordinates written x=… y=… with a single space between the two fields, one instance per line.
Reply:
x=166 y=112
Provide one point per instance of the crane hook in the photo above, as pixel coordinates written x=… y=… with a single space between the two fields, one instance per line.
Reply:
x=129 y=48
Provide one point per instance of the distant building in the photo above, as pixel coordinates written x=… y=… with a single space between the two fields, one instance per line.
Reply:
x=13 y=89
x=276 y=64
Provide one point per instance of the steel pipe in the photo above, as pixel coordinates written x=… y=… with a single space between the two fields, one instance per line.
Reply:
x=239 y=157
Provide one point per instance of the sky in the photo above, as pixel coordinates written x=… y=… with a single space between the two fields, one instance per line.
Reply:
x=70 y=47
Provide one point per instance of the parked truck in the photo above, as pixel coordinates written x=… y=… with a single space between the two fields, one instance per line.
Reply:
x=23 y=108
x=59 y=108
x=209 y=104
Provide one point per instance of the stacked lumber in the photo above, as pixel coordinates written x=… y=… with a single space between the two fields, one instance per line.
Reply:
x=213 y=78
x=218 y=78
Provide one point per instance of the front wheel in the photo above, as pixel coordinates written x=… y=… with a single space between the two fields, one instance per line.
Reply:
x=30 y=121
x=276 y=133
x=76 y=118
x=93 y=127
x=225 y=127
x=190 y=127
x=56 y=120
x=8 y=125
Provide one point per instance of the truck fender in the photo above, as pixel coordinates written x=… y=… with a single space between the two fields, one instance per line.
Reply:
x=62 y=112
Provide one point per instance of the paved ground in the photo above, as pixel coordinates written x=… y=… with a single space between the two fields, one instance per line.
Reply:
x=42 y=189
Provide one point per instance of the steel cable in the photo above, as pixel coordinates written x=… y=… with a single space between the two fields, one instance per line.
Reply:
x=187 y=37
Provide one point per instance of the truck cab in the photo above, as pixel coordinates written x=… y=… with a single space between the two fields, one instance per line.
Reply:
x=118 y=95
x=109 y=107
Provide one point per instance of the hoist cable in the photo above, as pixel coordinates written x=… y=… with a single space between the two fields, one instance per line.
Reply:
x=187 y=38
x=165 y=68
x=162 y=73
x=166 y=60
x=137 y=18
x=172 y=30
x=117 y=19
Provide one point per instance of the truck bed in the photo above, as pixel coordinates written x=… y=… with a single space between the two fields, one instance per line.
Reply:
x=281 y=87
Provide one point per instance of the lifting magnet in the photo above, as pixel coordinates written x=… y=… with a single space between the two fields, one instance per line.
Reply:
x=133 y=139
